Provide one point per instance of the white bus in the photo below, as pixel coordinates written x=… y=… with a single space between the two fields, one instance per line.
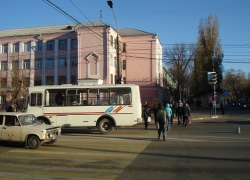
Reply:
x=102 y=106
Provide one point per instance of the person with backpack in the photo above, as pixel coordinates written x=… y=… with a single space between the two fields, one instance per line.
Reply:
x=161 y=118
x=178 y=113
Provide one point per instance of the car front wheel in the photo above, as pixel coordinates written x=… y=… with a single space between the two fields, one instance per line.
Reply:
x=33 y=142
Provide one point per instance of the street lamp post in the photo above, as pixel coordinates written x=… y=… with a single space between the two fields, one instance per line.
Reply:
x=118 y=81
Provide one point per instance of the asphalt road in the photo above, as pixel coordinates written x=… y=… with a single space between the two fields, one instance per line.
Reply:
x=208 y=148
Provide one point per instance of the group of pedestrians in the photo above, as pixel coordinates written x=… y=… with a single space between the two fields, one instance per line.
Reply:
x=164 y=116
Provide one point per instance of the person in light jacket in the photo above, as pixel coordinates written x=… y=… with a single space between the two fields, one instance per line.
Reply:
x=169 y=112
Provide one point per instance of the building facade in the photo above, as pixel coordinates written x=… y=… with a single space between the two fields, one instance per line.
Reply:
x=68 y=54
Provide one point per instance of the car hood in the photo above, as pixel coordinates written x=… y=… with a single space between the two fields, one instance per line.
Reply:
x=40 y=126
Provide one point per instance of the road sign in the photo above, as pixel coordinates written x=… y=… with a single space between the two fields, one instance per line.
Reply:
x=225 y=92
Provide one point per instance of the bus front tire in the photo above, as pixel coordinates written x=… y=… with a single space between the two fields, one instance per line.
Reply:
x=105 y=126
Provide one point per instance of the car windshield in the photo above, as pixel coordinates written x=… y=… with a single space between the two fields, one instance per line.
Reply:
x=28 y=119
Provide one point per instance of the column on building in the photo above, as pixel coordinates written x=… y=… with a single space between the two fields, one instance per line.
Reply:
x=44 y=63
x=9 y=79
x=56 y=62
x=68 y=60
x=32 y=63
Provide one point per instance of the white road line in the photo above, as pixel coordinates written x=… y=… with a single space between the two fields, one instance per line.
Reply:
x=121 y=154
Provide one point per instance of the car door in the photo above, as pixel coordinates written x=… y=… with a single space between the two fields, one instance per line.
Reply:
x=1 y=126
x=11 y=130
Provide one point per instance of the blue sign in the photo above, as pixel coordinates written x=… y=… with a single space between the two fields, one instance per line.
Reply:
x=225 y=92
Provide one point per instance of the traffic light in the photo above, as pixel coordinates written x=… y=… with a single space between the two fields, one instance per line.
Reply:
x=110 y=3
x=214 y=77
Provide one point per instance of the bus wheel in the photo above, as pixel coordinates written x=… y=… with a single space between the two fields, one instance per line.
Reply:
x=105 y=126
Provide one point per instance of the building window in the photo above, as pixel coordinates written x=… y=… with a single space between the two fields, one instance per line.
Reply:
x=26 y=81
x=124 y=64
x=16 y=82
x=15 y=47
x=124 y=47
x=62 y=44
x=3 y=82
x=4 y=65
x=26 y=47
x=49 y=80
x=62 y=62
x=62 y=80
x=111 y=79
x=111 y=60
x=111 y=40
x=2 y=100
x=15 y=64
x=115 y=62
x=115 y=42
x=50 y=45
x=26 y=64
x=73 y=80
x=38 y=63
x=74 y=44
x=73 y=62
x=50 y=63
x=39 y=46
x=38 y=81
x=4 y=48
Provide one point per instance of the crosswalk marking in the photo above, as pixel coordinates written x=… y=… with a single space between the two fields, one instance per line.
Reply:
x=84 y=157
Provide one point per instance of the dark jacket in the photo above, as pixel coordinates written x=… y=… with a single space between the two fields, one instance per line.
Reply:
x=146 y=113
x=178 y=111
x=162 y=116
x=185 y=110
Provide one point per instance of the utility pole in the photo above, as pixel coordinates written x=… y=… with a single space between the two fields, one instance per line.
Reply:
x=118 y=80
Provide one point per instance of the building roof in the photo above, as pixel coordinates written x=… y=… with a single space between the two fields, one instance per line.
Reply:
x=133 y=32
x=67 y=28
x=48 y=29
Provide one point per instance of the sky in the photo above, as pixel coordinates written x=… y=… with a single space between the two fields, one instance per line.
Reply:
x=174 y=21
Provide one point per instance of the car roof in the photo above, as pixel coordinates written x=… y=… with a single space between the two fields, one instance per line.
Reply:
x=13 y=113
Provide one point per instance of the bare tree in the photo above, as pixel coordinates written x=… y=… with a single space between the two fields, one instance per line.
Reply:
x=19 y=79
x=179 y=60
x=235 y=82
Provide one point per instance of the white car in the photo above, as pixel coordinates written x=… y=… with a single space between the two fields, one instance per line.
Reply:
x=24 y=127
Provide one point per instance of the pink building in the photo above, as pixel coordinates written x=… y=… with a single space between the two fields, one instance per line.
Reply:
x=79 y=54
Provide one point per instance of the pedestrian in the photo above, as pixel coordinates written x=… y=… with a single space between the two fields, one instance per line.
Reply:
x=173 y=107
x=210 y=106
x=146 y=114
x=10 y=109
x=169 y=113
x=178 y=113
x=146 y=105
x=16 y=107
x=186 y=114
x=155 y=111
x=162 y=120
x=222 y=108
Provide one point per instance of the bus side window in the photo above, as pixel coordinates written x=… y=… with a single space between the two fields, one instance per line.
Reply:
x=1 y=119
x=36 y=99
